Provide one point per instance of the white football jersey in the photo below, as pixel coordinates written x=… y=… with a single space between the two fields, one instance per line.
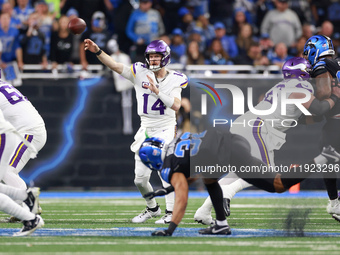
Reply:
x=152 y=111
x=17 y=109
x=276 y=118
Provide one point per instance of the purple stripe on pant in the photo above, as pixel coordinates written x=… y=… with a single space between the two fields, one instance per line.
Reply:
x=20 y=151
x=259 y=140
x=2 y=144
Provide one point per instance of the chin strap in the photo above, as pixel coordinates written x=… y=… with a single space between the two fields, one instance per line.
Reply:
x=154 y=68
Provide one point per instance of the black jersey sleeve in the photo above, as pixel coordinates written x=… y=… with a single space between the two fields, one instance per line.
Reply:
x=319 y=68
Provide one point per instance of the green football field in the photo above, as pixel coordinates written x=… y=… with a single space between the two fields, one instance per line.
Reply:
x=102 y=226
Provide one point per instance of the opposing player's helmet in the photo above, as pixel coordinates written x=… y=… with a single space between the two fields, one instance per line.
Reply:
x=150 y=153
x=160 y=47
x=318 y=46
x=296 y=68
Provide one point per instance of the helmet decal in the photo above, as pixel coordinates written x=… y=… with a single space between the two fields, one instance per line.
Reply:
x=296 y=68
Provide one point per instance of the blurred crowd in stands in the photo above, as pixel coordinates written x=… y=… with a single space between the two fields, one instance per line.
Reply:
x=217 y=32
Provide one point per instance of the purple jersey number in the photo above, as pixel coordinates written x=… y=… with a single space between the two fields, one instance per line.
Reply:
x=269 y=96
x=12 y=95
x=157 y=106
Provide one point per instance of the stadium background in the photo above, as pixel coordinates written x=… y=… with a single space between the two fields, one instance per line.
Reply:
x=99 y=156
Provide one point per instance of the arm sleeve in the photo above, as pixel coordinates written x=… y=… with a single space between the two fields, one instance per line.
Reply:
x=318 y=107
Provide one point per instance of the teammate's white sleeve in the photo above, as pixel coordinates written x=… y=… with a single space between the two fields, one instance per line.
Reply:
x=127 y=74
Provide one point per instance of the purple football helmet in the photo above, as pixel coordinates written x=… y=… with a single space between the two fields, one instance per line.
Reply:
x=160 y=47
x=296 y=68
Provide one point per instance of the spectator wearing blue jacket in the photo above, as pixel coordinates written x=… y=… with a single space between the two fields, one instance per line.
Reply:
x=8 y=8
x=9 y=37
x=22 y=12
x=145 y=25
x=280 y=55
x=177 y=46
x=228 y=42
x=216 y=55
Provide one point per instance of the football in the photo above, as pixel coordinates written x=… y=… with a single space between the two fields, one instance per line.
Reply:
x=77 y=26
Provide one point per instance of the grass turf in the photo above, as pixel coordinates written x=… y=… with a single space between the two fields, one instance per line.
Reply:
x=251 y=215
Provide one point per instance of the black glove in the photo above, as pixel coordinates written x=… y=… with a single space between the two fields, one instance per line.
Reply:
x=164 y=232
x=149 y=195
x=159 y=192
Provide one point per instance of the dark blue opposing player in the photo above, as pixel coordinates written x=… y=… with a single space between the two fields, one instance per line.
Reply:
x=210 y=148
x=176 y=171
x=319 y=51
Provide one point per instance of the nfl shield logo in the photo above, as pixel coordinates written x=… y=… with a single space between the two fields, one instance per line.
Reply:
x=155 y=153
x=145 y=83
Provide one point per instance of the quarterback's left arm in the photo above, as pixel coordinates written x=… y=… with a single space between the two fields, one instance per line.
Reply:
x=173 y=100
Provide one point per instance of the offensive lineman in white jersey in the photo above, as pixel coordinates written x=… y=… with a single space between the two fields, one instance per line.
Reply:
x=9 y=195
x=29 y=124
x=266 y=135
x=158 y=93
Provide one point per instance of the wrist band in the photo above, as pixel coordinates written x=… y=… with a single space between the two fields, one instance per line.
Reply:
x=167 y=100
x=172 y=227
x=99 y=52
x=334 y=98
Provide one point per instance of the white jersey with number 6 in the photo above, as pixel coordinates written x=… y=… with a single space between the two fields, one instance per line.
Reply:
x=17 y=109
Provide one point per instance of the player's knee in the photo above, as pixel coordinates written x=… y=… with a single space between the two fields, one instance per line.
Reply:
x=279 y=188
x=141 y=181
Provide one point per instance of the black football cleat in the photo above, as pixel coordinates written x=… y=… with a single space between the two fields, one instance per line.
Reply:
x=30 y=226
x=32 y=200
x=215 y=230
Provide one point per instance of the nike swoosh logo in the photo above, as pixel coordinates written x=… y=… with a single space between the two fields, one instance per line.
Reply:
x=331 y=156
x=299 y=66
x=219 y=230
